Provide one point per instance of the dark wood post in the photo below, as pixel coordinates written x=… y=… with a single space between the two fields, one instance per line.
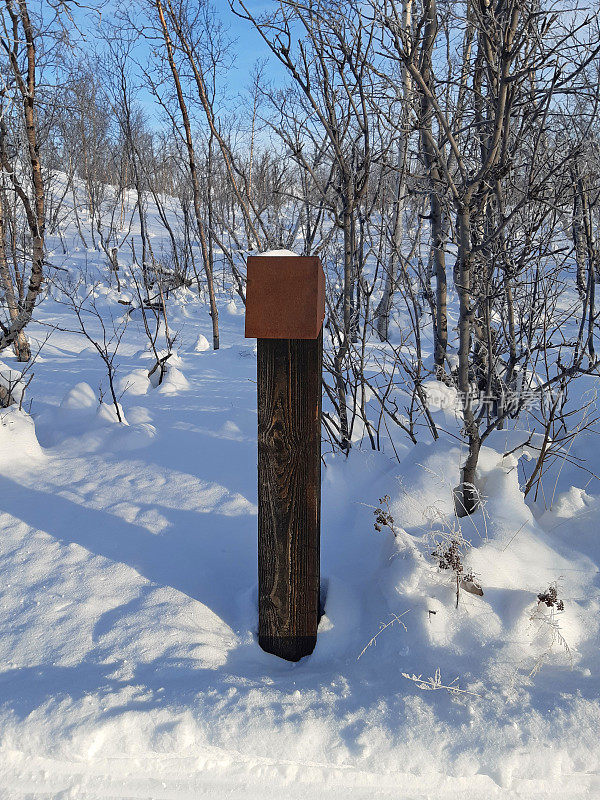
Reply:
x=285 y=310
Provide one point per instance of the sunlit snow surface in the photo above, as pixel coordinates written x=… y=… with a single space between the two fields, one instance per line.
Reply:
x=128 y=655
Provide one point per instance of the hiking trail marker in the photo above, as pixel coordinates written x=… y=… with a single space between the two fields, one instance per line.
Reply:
x=285 y=308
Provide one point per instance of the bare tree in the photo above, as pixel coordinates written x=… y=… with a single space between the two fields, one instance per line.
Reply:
x=21 y=170
x=483 y=126
x=328 y=105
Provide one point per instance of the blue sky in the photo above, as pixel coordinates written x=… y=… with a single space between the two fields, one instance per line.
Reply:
x=247 y=49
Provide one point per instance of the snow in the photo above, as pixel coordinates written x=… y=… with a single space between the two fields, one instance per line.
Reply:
x=18 y=442
x=129 y=664
x=234 y=309
x=278 y=253
x=13 y=381
x=202 y=344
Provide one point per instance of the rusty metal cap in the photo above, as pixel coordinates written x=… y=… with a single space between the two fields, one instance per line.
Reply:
x=285 y=297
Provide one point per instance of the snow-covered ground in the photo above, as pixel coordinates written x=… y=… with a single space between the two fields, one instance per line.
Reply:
x=129 y=666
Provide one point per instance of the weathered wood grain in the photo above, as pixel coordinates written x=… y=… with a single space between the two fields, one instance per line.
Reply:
x=289 y=494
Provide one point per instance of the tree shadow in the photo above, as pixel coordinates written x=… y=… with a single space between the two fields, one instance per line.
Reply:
x=198 y=554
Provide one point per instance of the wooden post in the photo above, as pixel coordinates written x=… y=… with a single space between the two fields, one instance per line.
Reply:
x=285 y=302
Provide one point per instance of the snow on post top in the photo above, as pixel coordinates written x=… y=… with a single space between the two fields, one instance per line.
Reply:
x=278 y=253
